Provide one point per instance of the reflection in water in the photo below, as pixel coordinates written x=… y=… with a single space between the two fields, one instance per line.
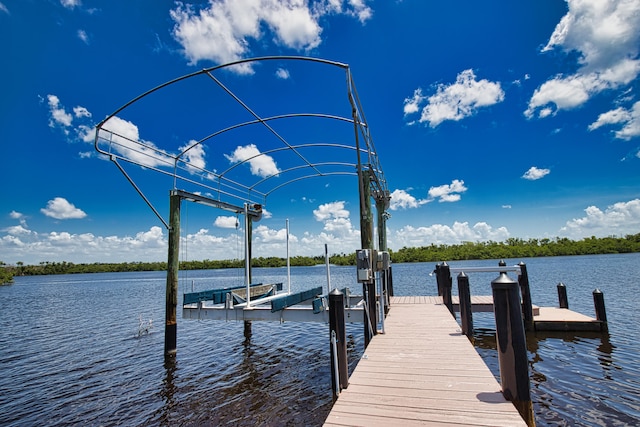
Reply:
x=558 y=360
x=168 y=389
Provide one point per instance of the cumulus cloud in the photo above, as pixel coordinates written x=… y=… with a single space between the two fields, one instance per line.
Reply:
x=455 y=101
x=330 y=211
x=60 y=208
x=16 y=215
x=194 y=157
x=400 y=199
x=226 y=222
x=620 y=218
x=59 y=116
x=410 y=236
x=224 y=30
x=535 y=173
x=125 y=140
x=605 y=36
x=448 y=192
x=629 y=119
x=336 y=219
x=261 y=164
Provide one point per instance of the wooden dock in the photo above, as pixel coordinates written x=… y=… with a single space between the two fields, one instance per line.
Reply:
x=544 y=318
x=422 y=371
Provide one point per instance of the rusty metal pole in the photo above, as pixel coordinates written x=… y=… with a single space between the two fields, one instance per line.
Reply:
x=173 y=266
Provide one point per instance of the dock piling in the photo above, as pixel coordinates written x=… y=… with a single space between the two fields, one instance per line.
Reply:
x=464 y=294
x=173 y=261
x=563 y=301
x=445 y=283
x=601 y=313
x=512 y=346
x=338 y=330
x=525 y=291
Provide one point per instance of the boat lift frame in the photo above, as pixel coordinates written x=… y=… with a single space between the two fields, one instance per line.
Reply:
x=220 y=190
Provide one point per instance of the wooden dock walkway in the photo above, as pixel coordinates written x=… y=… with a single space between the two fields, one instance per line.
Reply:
x=422 y=371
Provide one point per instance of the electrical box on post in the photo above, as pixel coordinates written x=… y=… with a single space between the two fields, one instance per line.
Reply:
x=364 y=265
x=384 y=261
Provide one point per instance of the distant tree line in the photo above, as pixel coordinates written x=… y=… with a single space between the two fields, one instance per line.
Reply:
x=510 y=248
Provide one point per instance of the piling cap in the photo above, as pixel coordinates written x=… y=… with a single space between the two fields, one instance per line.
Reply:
x=503 y=281
x=335 y=291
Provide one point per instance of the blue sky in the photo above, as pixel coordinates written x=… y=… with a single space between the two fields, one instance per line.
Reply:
x=491 y=120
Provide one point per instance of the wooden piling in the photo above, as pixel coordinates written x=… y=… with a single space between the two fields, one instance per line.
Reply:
x=563 y=301
x=447 y=284
x=337 y=327
x=525 y=291
x=464 y=295
x=173 y=265
x=601 y=312
x=512 y=346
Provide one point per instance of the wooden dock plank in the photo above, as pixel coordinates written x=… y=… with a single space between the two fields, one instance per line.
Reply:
x=422 y=371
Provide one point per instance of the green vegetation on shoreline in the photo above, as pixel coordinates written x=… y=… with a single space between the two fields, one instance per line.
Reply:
x=511 y=248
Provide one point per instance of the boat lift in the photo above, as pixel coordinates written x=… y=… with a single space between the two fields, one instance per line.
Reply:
x=117 y=139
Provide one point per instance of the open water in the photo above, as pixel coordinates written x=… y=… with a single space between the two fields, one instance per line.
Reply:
x=71 y=352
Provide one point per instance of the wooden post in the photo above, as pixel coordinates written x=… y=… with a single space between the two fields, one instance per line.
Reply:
x=447 y=284
x=464 y=295
x=173 y=266
x=512 y=346
x=527 y=306
x=563 y=301
x=337 y=327
x=601 y=313
x=438 y=279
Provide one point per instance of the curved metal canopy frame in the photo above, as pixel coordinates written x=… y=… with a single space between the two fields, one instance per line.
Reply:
x=222 y=186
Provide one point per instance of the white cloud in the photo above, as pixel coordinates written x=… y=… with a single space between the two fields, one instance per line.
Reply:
x=618 y=219
x=535 y=173
x=70 y=4
x=58 y=114
x=224 y=30
x=282 y=73
x=331 y=210
x=455 y=101
x=448 y=192
x=16 y=230
x=630 y=120
x=60 y=208
x=16 y=215
x=4 y=9
x=410 y=236
x=227 y=222
x=605 y=35
x=261 y=164
x=82 y=35
x=400 y=199
x=125 y=140
x=337 y=223
x=194 y=158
